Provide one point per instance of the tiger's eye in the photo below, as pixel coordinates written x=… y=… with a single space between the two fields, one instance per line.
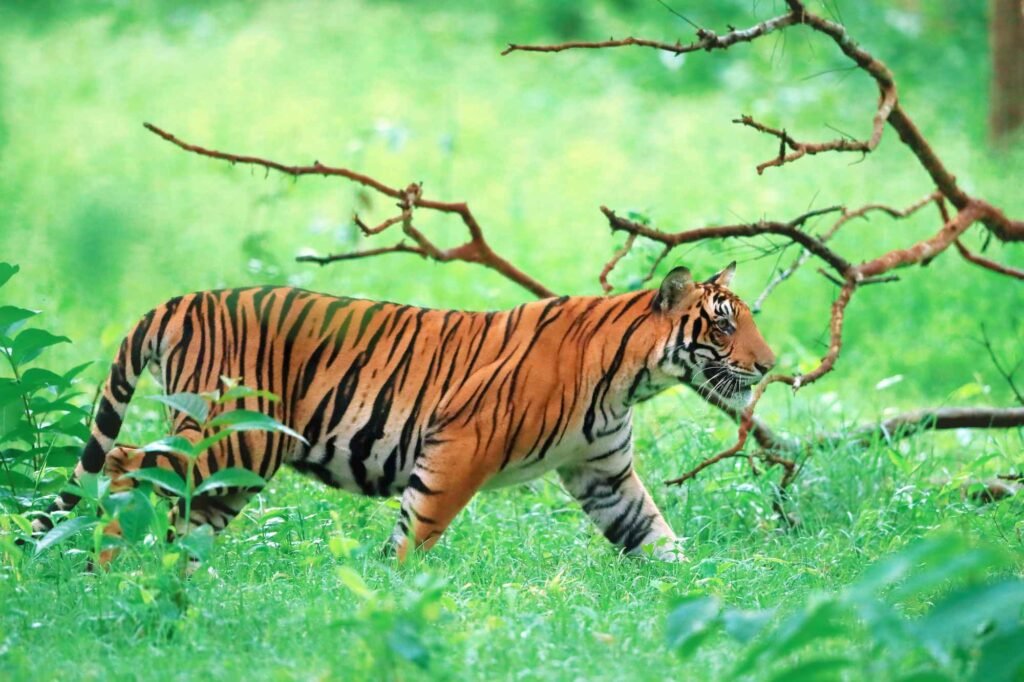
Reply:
x=723 y=325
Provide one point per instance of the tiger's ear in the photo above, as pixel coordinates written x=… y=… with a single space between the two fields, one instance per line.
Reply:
x=723 y=278
x=674 y=288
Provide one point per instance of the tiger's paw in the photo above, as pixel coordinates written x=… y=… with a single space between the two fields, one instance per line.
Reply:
x=667 y=549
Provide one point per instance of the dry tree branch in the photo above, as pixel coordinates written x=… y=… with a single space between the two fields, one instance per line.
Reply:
x=706 y=40
x=847 y=215
x=475 y=250
x=988 y=264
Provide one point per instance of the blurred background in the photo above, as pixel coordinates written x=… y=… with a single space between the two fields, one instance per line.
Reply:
x=106 y=220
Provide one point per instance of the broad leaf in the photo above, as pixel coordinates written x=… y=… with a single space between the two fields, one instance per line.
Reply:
x=64 y=531
x=133 y=511
x=74 y=372
x=30 y=343
x=247 y=420
x=94 y=486
x=233 y=477
x=354 y=582
x=12 y=318
x=959 y=617
x=240 y=392
x=198 y=543
x=35 y=378
x=814 y=670
x=13 y=480
x=189 y=403
x=6 y=272
x=820 y=619
x=1001 y=658
x=690 y=622
x=743 y=625
x=165 y=478
x=175 y=444
x=405 y=641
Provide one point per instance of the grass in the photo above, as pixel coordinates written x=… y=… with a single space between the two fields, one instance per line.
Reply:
x=107 y=221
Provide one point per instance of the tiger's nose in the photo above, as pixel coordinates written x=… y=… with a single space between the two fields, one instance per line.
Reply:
x=763 y=367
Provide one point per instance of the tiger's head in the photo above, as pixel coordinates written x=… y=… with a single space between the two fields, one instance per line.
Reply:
x=712 y=341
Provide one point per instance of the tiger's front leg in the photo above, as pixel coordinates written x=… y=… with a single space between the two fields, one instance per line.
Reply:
x=611 y=493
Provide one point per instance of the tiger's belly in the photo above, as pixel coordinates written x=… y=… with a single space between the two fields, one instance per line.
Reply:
x=382 y=472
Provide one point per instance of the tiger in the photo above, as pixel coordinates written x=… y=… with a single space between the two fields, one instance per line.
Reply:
x=432 y=405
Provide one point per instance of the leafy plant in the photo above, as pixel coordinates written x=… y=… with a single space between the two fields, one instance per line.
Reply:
x=134 y=510
x=42 y=428
x=965 y=631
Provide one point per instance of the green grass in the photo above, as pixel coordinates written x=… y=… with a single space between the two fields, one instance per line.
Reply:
x=107 y=221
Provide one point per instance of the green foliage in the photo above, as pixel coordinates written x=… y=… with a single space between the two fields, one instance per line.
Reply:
x=42 y=426
x=963 y=631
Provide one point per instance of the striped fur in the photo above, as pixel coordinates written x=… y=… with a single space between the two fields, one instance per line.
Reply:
x=433 y=405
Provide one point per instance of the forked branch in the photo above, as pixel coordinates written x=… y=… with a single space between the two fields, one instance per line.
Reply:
x=475 y=250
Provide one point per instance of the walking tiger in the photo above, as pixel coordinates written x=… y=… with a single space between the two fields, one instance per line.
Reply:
x=433 y=405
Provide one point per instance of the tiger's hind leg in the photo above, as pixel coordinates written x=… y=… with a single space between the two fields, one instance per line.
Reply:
x=215 y=508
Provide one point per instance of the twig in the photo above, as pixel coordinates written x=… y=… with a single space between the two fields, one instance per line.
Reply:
x=988 y=264
x=1006 y=374
x=706 y=40
x=476 y=250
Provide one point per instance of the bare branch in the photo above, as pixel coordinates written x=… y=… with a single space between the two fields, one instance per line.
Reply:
x=706 y=40
x=476 y=250
x=790 y=229
x=400 y=247
x=988 y=264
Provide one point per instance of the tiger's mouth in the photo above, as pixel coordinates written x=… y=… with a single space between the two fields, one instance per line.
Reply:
x=735 y=388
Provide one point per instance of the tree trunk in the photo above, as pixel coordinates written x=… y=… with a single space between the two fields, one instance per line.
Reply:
x=1007 y=37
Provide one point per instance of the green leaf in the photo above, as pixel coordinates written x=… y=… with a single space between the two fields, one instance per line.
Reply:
x=232 y=477
x=64 y=531
x=30 y=343
x=743 y=625
x=691 y=620
x=58 y=455
x=189 y=403
x=198 y=543
x=13 y=480
x=35 y=378
x=925 y=676
x=94 y=486
x=959 y=617
x=405 y=641
x=247 y=420
x=208 y=442
x=240 y=392
x=1001 y=658
x=6 y=272
x=821 y=619
x=354 y=582
x=133 y=511
x=814 y=670
x=74 y=372
x=923 y=566
x=10 y=390
x=12 y=318
x=175 y=444
x=165 y=478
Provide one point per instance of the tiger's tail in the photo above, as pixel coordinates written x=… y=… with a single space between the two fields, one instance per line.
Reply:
x=137 y=349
